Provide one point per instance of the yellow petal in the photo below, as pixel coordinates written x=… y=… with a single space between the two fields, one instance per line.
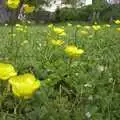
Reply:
x=6 y=71
x=13 y=3
x=24 y=85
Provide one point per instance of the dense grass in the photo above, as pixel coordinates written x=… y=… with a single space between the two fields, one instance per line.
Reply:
x=86 y=88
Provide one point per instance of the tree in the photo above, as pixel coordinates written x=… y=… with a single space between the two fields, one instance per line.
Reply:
x=98 y=6
x=74 y=3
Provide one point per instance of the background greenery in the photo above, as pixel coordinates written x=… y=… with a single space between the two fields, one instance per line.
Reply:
x=99 y=11
x=86 y=13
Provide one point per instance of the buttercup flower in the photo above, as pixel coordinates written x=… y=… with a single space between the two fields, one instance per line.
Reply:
x=87 y=27
x=118 y=29
x=6 y=71
x=21 y=28
x=13 y=35
x=95 y=23
x=117 y=21
x=50 y=25
x=96 y=27
x=58 y=30
x=24 y=85
x=6 y=25
x=83 y=32
x=24 y=42
x=57 y=42
x=73 y=51
x=78 y=26
x=29 y=22
x=69 y=24
x=13 y=3
x=28 y=8
x=18 y=25
x=63 y=34
x=107 y=25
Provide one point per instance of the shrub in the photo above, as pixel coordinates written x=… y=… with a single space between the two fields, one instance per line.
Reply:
x=112 y=11
x=86 y=13
x=80 y=14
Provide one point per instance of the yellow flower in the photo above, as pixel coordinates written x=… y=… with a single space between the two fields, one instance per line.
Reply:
x=6 y=25
x=107 y=25
x=50 y=25
x=13 y=3
x=24 y=42
x=95 y=23
x=73 y=51
x=18 y=25
x=78 y=26
x=24 y=85
x=29 y=22
x=21 y=28
x=87 y=27
x=57 y=42
x=69 y=24
x=6 y=71
x=117 y=21
x=28 y=8
x=83 y=32
x=63 y=34
x=13 y=35
x=96 y=27
x=58 y=30
x=118 y=29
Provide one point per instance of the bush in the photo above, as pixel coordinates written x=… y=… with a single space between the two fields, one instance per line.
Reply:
x=112 y=11
x=41 y=16
x=86 y=13
x=80 y=14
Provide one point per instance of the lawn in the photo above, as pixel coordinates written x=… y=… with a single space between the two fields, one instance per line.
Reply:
x=81 y=87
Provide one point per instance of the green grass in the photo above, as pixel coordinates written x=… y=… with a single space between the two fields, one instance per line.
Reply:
x=85 y=89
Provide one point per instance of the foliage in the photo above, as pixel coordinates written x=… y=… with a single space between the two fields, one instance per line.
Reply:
x=99 y=5
x=73 y=3
x=72 y=14
x=111 y=11
x=106 y=12
x=86 y=87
